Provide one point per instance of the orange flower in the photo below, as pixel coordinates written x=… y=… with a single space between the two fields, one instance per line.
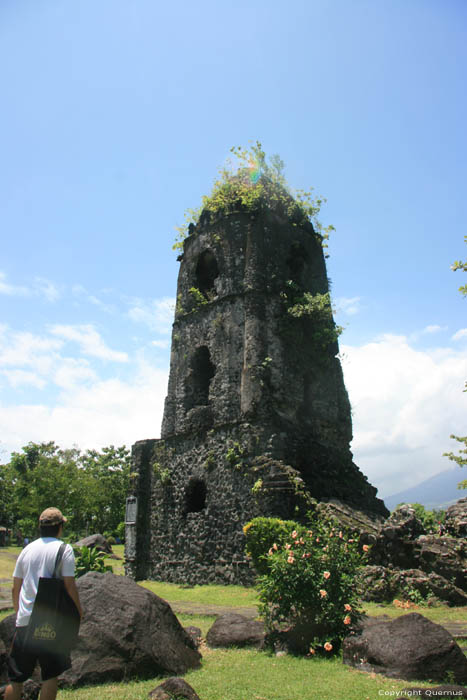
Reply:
x=327 y=574
x=347 y=620
x=323 y=593
x=274 y=546
x=290 y=560
x=365 y=548
x=312 y=651
x=317 y=539
x=328 y=646
x=310 y=533
x=347 y=607
x=288 y=546
x=301 y=540
x=340 y=534
x=270 y=552
x=294 y=534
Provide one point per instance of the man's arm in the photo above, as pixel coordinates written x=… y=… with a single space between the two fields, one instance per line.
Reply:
x=17 y=583
x=70 y=586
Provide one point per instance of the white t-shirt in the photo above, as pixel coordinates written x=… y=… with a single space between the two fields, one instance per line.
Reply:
x=36 y=561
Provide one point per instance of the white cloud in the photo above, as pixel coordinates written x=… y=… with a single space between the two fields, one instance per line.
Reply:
x=349 y=306
x=12 y=290
x=103 y=413
x=72 y=372
x=163 y=344
x=158 y=315
x=90 y=342
x=24 y=349
x=81 y=292
x=20 y=377
x=433 y=329
x=406 y=403
x=46 y=289
x=462 y=333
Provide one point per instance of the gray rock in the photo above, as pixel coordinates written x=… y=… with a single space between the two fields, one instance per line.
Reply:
x=195 y=635
x=456 y=519
x=97 y=542
x=235 y=630
x=402 y=523
x=379 y=583
x=126 y=631
x=410 y=647
x=173 y=688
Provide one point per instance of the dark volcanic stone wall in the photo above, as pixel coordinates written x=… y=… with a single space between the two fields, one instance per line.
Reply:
x=257 y=417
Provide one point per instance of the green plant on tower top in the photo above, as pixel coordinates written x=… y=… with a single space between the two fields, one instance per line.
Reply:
x=255 y=182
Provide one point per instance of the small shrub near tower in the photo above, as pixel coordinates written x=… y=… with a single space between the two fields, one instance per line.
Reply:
x=310 y=584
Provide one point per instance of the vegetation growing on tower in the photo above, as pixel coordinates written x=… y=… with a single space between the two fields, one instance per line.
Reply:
x=256 y=182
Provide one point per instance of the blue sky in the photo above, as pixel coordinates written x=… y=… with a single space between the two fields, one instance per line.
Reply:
x=116 y=117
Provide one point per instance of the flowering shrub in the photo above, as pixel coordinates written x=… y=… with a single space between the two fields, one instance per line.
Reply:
x=261 y=534
x=310 y=584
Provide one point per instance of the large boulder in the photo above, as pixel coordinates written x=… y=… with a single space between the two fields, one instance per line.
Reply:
x=410 y=647
x=403 y=524
x=98 y=542
x=126 y=631
x=235 y=630
x=445 y=556
x=380 y=583
x=456 y=519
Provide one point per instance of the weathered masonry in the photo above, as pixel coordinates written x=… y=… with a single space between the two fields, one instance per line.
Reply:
x=257 y=418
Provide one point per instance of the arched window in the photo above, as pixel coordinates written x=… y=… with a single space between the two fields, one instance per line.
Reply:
x=206 y=272
x=195 y=496
x=296 y=261
x=199 y=378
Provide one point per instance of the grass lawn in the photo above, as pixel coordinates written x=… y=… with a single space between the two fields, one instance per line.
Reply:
x=233 y=596
x=245 y=674
x=241 y=674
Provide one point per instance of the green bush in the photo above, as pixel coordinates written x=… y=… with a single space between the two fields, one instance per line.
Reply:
x=120 y=531
x=261 y=534
x=90 y=559
x=28 y=527
x=310 y=584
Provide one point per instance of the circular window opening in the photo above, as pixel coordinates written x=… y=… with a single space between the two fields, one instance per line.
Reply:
x=195 y=496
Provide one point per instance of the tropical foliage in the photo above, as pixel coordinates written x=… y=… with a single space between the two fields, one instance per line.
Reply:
x=251 y=181
x=310 y=583
x=90 y=559
x=89 y=488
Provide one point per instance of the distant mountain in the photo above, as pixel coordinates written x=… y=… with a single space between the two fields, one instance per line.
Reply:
x=439 y=491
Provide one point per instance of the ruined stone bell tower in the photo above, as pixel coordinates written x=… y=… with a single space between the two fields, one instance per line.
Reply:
x=257 y=418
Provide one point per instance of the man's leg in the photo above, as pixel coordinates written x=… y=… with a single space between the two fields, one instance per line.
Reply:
x=13 y=691
x=49 y=689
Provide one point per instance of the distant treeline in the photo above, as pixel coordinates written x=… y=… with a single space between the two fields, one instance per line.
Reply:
x=89 y=488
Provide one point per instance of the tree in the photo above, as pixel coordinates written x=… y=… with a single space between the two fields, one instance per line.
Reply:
x=461 y=458
x=89 y=488
x=108 y=472
x=459 y=265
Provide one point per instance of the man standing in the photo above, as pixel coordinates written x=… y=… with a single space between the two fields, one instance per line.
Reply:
x=36 y=561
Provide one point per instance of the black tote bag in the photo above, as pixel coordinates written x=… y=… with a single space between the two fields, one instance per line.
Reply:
x=54 y=623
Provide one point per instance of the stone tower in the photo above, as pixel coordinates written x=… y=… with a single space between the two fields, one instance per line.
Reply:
x=257 y=418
